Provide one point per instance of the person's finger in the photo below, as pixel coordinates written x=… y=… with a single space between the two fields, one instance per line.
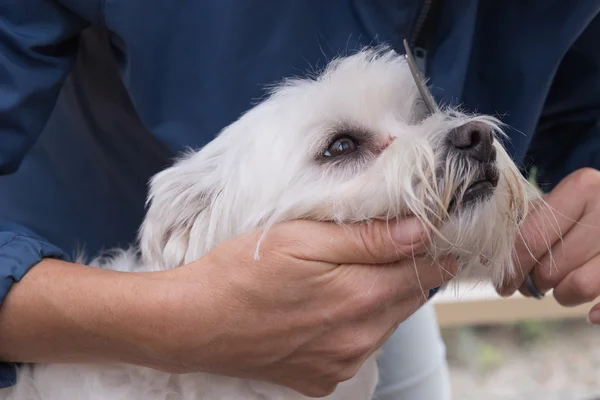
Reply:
x=384 y=285
x=594 y=315
x=377 y=242
x=369 y=334
x=580 y=286
x=524 y=290
x=541 y=230
x=424 y=274
x=578 y=246
x=344 y=350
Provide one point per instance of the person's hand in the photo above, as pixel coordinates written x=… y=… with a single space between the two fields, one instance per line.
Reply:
x=560 y=245
x=321 y=299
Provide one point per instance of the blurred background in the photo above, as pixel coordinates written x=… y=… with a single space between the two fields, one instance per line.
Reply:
x=517 y=348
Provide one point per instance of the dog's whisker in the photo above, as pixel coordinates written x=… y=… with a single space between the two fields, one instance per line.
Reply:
x=376 y=278
x=351 y=143
x=424 y=292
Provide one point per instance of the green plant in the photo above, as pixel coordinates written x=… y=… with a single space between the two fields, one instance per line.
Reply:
x=489 y=357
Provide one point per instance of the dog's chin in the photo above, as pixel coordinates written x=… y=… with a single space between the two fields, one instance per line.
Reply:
x=476 y=191
x=475 y=195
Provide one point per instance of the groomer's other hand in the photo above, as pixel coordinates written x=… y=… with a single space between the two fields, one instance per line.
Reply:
x=561 y=245
x=321 y=299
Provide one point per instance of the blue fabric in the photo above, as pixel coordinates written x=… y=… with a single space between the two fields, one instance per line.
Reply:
x=97 y=95
x=433 y=291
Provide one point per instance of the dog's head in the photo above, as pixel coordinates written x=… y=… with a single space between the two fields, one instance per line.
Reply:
x=354 y=143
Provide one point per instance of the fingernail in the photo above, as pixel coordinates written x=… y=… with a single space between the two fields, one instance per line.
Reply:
x=506 y=289
x=506 y=292
x=408 y=231
x=594 y=317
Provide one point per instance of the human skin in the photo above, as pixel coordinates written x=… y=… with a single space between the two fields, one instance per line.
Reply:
x=341 y=290
x=560 y=244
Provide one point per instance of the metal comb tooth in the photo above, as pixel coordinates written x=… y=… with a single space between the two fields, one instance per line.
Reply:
x=425 y=93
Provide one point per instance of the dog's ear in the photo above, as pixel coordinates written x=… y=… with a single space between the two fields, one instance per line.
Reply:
x=181 y=199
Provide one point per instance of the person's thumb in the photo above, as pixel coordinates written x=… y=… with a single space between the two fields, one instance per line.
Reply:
x=377 y=242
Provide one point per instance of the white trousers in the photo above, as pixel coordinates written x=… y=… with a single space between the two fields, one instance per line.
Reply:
x=413 y=362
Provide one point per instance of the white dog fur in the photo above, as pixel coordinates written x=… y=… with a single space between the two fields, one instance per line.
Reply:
x=272 y=165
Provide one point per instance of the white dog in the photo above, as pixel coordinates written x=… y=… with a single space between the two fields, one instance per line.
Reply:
x=359 y=141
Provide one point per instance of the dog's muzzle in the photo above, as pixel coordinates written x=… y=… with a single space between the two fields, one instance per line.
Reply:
x=474 y=143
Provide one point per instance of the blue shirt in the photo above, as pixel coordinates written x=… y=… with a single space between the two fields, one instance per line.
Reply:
x=97 y=95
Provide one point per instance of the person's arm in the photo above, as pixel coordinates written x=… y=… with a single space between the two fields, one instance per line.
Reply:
x=38 y=44
x=65 y=312
x=340 y=288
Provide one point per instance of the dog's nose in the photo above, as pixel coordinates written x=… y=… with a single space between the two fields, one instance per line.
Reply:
x=474 y=140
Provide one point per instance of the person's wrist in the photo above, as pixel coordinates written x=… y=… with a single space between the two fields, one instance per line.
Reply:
x=177 y=319
x=114 y=309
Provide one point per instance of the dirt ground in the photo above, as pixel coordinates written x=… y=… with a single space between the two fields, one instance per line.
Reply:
x=528 y=361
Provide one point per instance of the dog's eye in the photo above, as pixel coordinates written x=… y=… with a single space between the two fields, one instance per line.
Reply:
x=341 y=146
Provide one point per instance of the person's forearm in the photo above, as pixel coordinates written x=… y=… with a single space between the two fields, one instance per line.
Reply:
x=63 y=312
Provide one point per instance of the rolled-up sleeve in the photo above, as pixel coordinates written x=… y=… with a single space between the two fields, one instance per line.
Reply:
x=38 y=45
x=21 y=249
